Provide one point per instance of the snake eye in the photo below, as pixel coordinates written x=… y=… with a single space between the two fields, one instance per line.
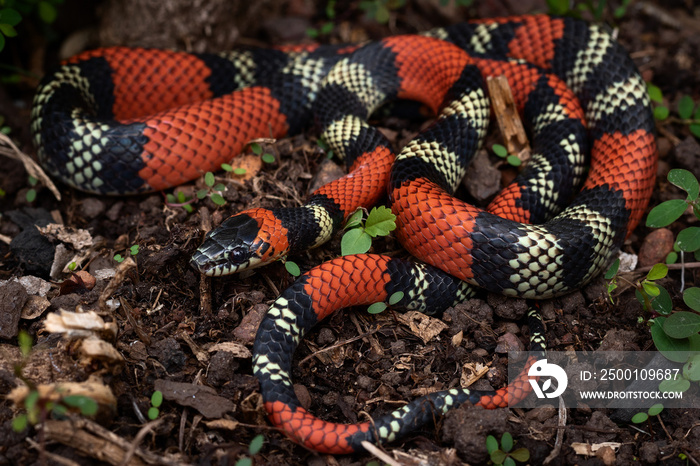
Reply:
x=238 y=254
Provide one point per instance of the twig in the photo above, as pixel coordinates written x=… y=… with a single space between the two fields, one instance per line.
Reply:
x=52 y=456
x=338 y=345
x=205 y=305
x=32 y=168
x=560 y=433
x=374 y=450
x=139 y=436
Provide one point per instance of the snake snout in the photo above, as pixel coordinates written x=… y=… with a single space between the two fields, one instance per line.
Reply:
x=228 y=248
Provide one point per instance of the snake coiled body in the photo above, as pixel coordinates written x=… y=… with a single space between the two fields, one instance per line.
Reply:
x=576 y=85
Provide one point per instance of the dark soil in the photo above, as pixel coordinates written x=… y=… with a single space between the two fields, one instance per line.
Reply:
x=168 y=318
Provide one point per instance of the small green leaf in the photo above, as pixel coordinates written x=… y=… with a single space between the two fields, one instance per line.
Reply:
x=134 y=249
x=558 y=7
x=661 y=112
x=691 y=369
x=239 y=171
x=157 y=399
x=674 y=385
x=672 y=257
x=521 y=454
x=355 y=241
x=691 y=298
x=219 y=187
x=500 y=150
x=31 y=193
x=292 y=268
x=268 y=158
x=47 y=12
x=514 y=161
x=20 y=423
x=612 y=271
x=507 y=442
x=256 y=444
x=226 y=167
x=651 y=289
x=688 y=239
x=672 y=348
x=118 y=258
x=396 y=297
x=654 y=410
x=217 y=199
x=7 y=30
x=326 y=28
x=86 y=405
x=509 y=461
x=10 y=16
x=202 y=193
x=255 y=147
x=657 y=271
x=498 y=456
x=2 y=42
x=682 y=324
x=24 y=340
x=666 y=213
x=686 y=181
x=695 y=129
x=380 y=222
x=209 y=179
x=376 y=308
x=655 y=93
x=491 y=444
x=678 y=384
x=685 y=107
x=662 y=303
x=639 y=418
x=355 y=219
x=153 y=413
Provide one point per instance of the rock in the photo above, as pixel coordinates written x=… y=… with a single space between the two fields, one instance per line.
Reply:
x=168 y=353
x=468 y=426
x=221 y=368
x=649 y=453
x=12 y=299
x=656 y=247
x=688 y=155
x=509 y=342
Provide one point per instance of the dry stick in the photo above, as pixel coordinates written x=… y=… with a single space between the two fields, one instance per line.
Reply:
x=52 y=456
x=32 y=168
x=687 y=265
x=374 y=450
x=139 y=436
x=205 y=281
x=560 y=433
x=338 y=345
x=71 y=433
x=508 y=118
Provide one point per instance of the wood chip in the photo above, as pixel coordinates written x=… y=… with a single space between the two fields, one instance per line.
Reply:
x=508 y=118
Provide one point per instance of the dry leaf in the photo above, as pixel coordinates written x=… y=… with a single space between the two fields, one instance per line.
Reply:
x=423 y=326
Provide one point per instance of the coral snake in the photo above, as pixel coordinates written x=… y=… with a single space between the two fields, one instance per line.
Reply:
x=121 y=120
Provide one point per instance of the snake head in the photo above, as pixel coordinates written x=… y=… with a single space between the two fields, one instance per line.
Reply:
x=243 y=241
